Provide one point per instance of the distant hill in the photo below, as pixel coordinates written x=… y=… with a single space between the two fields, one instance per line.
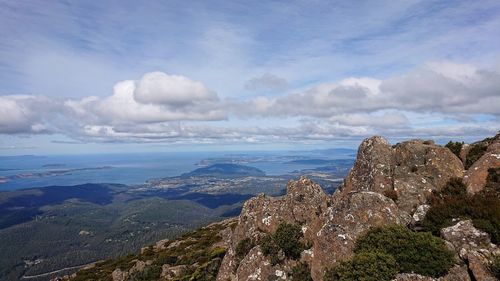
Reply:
x=225 y=170
x=311 y=161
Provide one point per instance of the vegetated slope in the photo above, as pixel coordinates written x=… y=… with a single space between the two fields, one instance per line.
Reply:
x=372 y=228
x=76 y=233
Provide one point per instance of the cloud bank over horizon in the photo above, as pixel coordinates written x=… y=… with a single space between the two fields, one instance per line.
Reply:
x=163 y=107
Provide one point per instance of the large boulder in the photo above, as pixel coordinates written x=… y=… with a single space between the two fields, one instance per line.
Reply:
x=304 y=204
x=456 y=273
x=387 y=185
x=372 y=170
x=411 y=170
x=344 y=222
x=170 y=272
x=476 y=175
x=473 y=246
x=419 y=168
x=255 y=266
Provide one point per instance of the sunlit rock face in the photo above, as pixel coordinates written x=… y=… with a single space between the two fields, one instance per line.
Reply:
x=387 y=185
x=411 y=170
x=475 y=177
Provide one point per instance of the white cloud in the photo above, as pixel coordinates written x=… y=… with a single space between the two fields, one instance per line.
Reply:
x=443 y=87
x=157 y=97
x=171 y=90
x=23 y=114
x=438 y=99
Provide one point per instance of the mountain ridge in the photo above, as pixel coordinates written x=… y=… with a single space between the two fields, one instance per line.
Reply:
x=389 y=185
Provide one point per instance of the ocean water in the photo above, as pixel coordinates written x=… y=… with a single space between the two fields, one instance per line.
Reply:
x=37 y=171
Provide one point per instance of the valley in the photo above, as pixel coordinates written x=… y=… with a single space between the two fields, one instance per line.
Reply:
x=56 y=230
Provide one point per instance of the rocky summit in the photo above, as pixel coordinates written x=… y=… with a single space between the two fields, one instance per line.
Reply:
x=307 y=234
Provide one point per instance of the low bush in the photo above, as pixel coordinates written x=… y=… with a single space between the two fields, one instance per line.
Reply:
x=475 y=152
x=243 y=247
x=271 y=250
x=287 y=237
x=453 y=202
x=284 y=243
x=418 y=252
x=149 y=273
x=367 y=266
x=495 y=266
x=455 y=147
x=301 y=272
x=386 y=251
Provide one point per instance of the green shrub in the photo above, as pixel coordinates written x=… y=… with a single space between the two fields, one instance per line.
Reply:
x=243 y=247
x=301 y=272
x=149 y=273
x=270 y=249
x=418 y=252
x=217 y=252
x=367 y=266
x=493 y=181
x=475 y=152
x=447 y=204
x=287 y=237
x=455 y=147
x=284 y=243
x=495 y=266
x=454 y=202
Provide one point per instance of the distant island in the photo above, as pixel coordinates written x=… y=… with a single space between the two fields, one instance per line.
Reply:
x=311 y=162
x=225 y=170
x=52 y=166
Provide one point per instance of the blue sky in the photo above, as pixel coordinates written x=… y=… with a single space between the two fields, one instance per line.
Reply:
x=94 y=76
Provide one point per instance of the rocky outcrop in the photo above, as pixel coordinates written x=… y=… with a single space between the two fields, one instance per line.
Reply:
x=476 y=175
x=411 y=169
x=170 y=272
x=344 y=222
x=331 y=228
x=473 y=246
x=456 y=273
x=419 y=168
x=305 y=203
x=119 y=275
x=463 y=152
x=387 y=185
x=372 y=170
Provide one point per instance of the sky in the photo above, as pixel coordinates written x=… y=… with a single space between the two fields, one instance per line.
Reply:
x=132 y=76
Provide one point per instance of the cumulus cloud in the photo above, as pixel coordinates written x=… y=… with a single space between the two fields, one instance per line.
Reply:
x=24 y=114
x=170 y=108
x=157 y=97
x=266 y=82
x=443 y=87
x=171 y=90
